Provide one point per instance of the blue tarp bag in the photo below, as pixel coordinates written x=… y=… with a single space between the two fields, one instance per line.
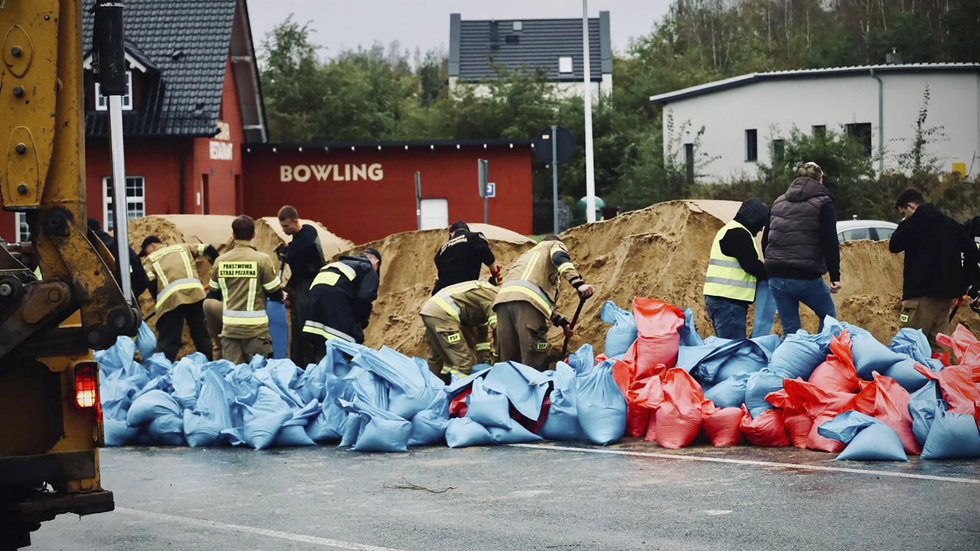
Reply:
x=211 y=415
x=186 y=379
x=459 y=385
x=765 y=310
x=601 y=406
x=293 y=431
x=462 y=432
x=923 y=405
x=869 y=354
x=146 y=340
x=488 y=408
x=524 y=386
x=689 y=335
x=352 y=426
x=621 y=335
x=757 y=387
x=582 y=360
x=328 y=425
x=157 y=365
x=798 y=356
x=914 y=344
x=562 y=422
x=429 y=425
x=160 y=417
x=729 y=393
x=264 y=418
x=516 y=434
x=867 y=438
x=952 y=436
x=117 y=432
x=115 y=357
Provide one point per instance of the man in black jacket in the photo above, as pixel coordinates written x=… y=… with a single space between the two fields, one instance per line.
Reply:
x=340 y=302
x=801 y=246
x=304 y=256
x=940 y=264
x=459 y=259
x=734 y=267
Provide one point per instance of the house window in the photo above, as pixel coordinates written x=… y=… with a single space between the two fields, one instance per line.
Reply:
x=135 y=199
x=22 y=232
x=102 y=102
x=689 y=161
x=751 y=145
x=565 y=64
x=819 y=131
x=778 y=151
x=518 y=26
x=861 y=131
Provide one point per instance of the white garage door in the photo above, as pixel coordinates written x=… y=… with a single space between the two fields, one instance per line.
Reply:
x=435 y=214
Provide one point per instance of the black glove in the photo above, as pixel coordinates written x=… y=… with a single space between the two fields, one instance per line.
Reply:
x=281 y=251
x=211 y=253
x=558 y=321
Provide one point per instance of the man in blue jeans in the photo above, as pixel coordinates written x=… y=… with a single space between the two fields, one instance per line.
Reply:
x=801 y=246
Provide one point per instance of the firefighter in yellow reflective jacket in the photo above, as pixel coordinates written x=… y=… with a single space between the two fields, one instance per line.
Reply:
x=447 y=315
x=526 y=301
x=243 y=278
x=178 y=291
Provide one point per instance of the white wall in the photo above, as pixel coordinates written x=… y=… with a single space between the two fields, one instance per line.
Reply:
x=564 y=90
x=773 y=108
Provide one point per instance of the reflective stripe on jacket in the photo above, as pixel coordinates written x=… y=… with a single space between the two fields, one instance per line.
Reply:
x=245 y=276
x=534 y=276
x=725 y=277
x=176 y=276
x=469 y=303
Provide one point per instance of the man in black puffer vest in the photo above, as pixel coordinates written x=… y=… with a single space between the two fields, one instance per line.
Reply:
x=940 y=264
x=801 y=246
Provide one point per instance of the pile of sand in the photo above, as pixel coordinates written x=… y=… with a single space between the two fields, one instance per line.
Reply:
x=407 y=276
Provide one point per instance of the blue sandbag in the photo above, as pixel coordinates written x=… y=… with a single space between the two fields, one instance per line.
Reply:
x=264 y=418
x=757 y=387
x=952 y=436
x=729 y=393
x=211 y=415
x=765 y=310
x=524 y=386
x=365 y=385
x=601 y=406
x=378 y=430
x=621 y=335
x=488 y=408
x=293 y=431
x=516 y=434
x=117 y=356
x=117 y=432
x=159 y=415
x=463 y=431
x=798 y=356
x=582 y=360
x=146 y=340
x=459 y=385
x=562 y=422
x=352 y=427
x=328 y=425
x=688 y=333
x=877 y=442
x=157 y=365
x=186 y=379
x=914 y=343
x=923 y=405
x=869 y=354
x=429 y=425
x=906 y=375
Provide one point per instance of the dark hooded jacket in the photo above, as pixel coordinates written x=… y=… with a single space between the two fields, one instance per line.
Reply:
x=940 y=258
x=801 y=240
x=753 y=214
x=346 y=305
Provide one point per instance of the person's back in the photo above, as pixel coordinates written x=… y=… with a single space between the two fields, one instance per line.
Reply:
x=340 y=301
x=454 y=318
x=460 y=258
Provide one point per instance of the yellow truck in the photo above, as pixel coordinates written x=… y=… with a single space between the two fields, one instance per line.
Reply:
x=59 y=297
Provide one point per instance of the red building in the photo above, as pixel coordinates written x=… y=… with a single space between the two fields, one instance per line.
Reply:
x=366 y=191
x=193 y=100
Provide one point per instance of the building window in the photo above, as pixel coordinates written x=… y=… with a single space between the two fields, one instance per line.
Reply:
x=565 y=64
x=135 y=199
x=689 y=161
x=102 y=102
x=751 y=145
x=861 y=131
x=819 y=131
x=778 y=151
x=22 y=232
x=518 y=26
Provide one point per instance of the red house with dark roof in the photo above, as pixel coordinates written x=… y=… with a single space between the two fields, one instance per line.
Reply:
x=193 y=101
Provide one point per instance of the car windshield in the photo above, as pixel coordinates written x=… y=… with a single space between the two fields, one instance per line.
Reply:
x=855 y=234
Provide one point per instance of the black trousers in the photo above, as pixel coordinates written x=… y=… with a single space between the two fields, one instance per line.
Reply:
x=170 y=328
x=297 y=317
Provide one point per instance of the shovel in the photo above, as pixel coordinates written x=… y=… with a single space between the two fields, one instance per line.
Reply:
x=571 y=325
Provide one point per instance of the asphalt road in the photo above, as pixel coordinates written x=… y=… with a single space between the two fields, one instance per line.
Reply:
x=629 y=496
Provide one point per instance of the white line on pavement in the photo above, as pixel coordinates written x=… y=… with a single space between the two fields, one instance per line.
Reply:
x=201 y=523
x=749 y=462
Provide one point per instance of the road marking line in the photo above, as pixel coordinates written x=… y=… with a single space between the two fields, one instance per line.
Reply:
x=201 y=523
x=751 y=462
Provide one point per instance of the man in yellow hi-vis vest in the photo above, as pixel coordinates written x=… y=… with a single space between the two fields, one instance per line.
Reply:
x=526 y=301
x=734 y=268
x=178 y=291
x=447 y=316
x=243 y=278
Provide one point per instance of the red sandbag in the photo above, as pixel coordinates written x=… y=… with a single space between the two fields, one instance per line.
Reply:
x=678 y=419
x=457 y=406
x=798 y=424
x=796 y=418
x=837 y=374
x=647 y=399
x=891 y=406
x=957 y=385
x=651 y=435
x=942 y=357
x=621 y=372
x=821 y=443
x=814 y=400
x=657 y=339
x=637 y=420
x=765 y=430
x=721 y=425
x=963 y=343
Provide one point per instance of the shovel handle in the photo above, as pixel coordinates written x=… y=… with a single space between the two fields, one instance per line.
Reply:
x=571 y=324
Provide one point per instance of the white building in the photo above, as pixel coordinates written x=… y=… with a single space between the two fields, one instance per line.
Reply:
x=745 y=117
x=552 y=46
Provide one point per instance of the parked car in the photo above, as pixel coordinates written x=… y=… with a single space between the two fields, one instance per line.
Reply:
x=875 y=230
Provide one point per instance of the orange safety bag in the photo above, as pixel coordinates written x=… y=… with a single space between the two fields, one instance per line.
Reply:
x=722 y=426
x=677 y=421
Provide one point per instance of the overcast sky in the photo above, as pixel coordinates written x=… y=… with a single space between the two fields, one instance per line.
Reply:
x=345 y=24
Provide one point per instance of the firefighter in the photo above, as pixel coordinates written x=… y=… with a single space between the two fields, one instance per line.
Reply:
x=304 y=256
x=459 y=258
x=178 y=292
x=340 y=301
x=243 y=279
x=466 y=305
x=525 y=303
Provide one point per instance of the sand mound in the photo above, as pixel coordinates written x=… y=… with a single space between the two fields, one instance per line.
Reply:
x=407 y=276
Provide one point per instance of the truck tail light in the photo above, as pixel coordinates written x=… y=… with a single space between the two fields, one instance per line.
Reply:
x=86 y=385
